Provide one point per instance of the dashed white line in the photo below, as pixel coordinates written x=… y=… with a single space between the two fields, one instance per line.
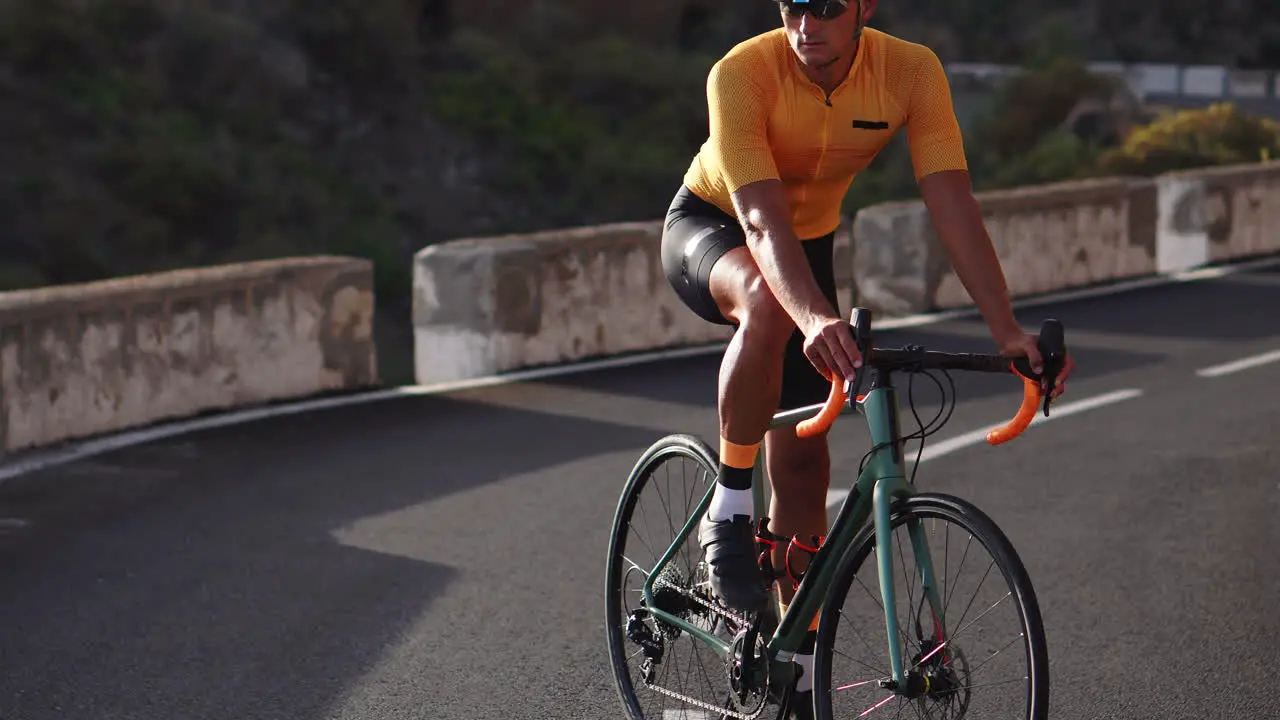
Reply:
x=936 y=450
x=1241 y=364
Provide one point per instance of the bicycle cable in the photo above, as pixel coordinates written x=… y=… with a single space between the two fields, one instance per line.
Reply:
x=925 y=430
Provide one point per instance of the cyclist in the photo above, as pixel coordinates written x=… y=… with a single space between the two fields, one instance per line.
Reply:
x=795 y=113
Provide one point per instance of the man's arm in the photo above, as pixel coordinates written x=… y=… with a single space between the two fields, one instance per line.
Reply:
x=738 y=108
x=938 y=157
x=828 y=341
x=955 y=212
x=937 y=151
x=762 y=210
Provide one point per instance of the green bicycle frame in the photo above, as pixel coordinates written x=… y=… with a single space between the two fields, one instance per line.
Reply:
x=878 y=486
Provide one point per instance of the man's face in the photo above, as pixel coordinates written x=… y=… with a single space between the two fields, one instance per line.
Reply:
x=818 y=42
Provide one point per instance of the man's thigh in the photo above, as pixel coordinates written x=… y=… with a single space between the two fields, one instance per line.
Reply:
x=697 y=237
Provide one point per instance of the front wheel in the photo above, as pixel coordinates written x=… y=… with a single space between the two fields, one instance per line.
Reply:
x=979 y=652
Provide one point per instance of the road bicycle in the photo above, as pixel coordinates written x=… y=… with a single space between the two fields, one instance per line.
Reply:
x=935 y=671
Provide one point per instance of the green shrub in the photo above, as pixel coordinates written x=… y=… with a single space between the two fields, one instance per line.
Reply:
x=1217 y=135
x=1020 y=138
x=1058 y=155
x=592 y=141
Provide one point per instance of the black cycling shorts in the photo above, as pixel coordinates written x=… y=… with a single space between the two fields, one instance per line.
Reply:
x=695 y=235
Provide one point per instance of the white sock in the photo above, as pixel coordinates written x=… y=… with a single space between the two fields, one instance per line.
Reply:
x=728 y=502
x=805 y=682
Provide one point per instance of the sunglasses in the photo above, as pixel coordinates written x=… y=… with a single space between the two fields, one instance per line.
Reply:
x=820 y=9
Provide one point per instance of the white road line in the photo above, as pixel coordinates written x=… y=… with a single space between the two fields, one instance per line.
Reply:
x=1241 y=364
x=33 y=461
x=934 y=450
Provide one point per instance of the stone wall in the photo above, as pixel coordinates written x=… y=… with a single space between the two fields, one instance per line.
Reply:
x=493 y=305
x=489 y=305
x=1068 y=235
x=81 y=360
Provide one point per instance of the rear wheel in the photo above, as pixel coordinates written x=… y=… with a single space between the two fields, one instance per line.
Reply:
x=686 y=678
x=983 y=655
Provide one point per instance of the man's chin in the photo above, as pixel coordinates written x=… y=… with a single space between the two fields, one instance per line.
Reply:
x=814 y=57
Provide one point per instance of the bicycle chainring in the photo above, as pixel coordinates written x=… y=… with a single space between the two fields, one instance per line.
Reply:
x=747 y=667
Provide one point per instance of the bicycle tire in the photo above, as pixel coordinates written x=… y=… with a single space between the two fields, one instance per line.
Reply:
x=986 y=531
x=678 y=444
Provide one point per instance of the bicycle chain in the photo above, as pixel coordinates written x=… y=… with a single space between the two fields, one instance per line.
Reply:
x=720 y=711
x=723 y=712
x=719 y=609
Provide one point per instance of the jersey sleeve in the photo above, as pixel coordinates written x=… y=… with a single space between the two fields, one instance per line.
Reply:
x=738 y=109
x=933 y=132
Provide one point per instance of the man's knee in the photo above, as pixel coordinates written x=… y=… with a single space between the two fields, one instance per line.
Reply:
x=762 y=316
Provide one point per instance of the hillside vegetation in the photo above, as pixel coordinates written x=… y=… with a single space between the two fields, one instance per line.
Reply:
x=141 y=135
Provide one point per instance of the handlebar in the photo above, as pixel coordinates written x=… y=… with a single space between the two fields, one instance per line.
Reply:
x=1053 y=351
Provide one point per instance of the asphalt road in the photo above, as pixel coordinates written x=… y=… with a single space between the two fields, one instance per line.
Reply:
x=442 y=556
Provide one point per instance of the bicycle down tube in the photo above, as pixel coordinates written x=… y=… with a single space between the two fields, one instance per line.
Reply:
x=879 y=484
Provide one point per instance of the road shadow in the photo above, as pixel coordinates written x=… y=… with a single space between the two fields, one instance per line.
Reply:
x=200 y=577
x=1238 y=307
x=689 y=380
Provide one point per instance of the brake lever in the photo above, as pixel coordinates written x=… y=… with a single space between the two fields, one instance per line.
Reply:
x=1050 y=377
x=1053 y=351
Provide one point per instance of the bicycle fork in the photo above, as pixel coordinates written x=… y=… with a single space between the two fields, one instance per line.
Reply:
x=885 y=492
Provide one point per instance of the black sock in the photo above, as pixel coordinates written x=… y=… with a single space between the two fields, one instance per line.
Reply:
x=735 y=478
x=809 y=642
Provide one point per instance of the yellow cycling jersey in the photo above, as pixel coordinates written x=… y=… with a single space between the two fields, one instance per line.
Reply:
x=768 y=121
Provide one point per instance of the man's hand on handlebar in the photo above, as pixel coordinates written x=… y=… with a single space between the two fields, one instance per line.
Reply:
x=1024 y=345
x=829 y=346
x=1041 y=360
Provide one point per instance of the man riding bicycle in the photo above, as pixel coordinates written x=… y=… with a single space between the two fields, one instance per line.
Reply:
x=795 y=114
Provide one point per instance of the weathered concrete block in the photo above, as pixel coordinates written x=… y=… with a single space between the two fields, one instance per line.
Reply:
x=80 y=360
x=1047 y=237
x=1220 y=213
x=1062 y=235
x=895 y=265
x=491 y=305
x=1181 y=240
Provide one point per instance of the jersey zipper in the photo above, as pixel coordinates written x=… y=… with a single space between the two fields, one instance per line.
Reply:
x=822 y=151
x=826 y=130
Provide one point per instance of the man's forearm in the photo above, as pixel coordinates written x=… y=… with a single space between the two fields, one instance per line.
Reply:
x=762 y=210
x=976 y=264
x=955 y=212
x=785 y=268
